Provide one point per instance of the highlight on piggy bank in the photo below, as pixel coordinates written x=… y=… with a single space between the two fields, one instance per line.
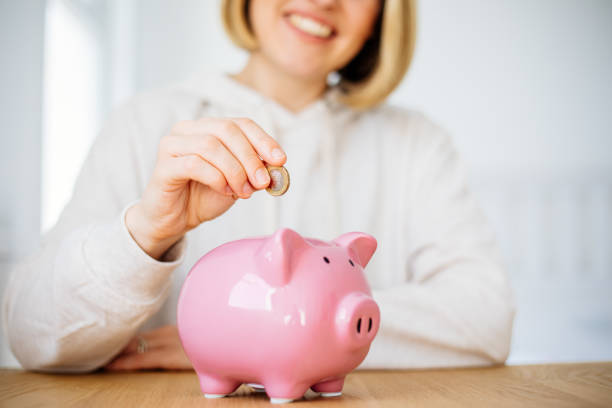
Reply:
x=282 y=313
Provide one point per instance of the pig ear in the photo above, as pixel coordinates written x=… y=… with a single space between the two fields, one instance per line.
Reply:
x=275 y=255
x=362 y=245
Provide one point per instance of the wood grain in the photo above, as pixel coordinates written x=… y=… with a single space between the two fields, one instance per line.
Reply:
x=557 y=385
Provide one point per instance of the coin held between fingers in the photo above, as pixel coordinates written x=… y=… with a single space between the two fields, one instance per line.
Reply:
x=279 y=180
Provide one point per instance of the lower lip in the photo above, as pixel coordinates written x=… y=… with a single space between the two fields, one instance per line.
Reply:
x=308 y=37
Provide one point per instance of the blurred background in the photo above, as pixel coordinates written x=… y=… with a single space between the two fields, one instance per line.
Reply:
x=525 y=87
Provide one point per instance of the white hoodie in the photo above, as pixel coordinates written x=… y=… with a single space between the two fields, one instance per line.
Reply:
x=436 y=275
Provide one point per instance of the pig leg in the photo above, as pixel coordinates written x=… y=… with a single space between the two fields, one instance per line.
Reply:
x=330 y=388
x=282 y=392
x=216 y=387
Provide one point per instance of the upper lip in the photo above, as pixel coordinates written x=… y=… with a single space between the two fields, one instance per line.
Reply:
x=313 y=17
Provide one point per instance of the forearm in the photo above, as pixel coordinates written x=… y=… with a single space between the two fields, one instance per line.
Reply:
x=74 y=305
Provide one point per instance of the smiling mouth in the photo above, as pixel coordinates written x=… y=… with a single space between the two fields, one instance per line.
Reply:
x=310 y=26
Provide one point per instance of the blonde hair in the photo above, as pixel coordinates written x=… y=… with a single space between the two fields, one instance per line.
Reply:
x=375 y=71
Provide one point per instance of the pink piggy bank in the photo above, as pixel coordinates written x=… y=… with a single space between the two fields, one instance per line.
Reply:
x=281 y=312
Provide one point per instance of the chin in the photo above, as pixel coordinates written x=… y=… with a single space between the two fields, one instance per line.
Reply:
x=304 y=67
x=307 y=74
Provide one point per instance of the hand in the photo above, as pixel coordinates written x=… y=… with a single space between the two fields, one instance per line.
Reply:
x=202 y=167
x=164 y=352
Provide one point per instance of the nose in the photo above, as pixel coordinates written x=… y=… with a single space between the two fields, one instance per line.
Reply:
x=357 y=320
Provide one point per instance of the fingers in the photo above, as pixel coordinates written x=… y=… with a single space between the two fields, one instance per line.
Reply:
x=164 y=350
x=235 y=147
x=264 y=144
x=164 y=357
x=193 y=167
x=131 y=347
x=210 y=150
x=133 y=361
x=159 y=337
x=234 y=139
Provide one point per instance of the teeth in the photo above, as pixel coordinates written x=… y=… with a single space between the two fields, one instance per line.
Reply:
x=310 y=26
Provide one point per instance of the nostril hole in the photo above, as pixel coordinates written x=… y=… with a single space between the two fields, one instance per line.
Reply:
x=359 y=325
x=369 y=324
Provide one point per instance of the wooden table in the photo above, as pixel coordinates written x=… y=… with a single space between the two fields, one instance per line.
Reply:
x=558 y=385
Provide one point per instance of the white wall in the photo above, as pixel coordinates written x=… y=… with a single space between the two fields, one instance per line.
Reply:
x=21 y=54
x=174 y=41
x=524 y=87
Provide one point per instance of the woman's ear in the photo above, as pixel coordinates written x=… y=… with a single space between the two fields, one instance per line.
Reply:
x=362 y=245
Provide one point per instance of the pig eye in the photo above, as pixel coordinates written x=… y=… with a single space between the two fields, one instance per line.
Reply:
x=326 y=259
x=351 y=262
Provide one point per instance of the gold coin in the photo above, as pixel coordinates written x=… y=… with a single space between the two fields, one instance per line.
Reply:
x=279 y=180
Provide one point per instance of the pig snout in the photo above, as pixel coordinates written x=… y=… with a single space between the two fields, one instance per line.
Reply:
x=357 y=320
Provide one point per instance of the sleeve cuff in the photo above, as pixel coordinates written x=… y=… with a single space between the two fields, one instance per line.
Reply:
x=114 y=257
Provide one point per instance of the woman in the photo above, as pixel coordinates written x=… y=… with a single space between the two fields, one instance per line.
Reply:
x=186 y=163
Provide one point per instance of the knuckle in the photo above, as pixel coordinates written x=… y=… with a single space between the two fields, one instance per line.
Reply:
x=208 y=144
x=180 y=126
x=167 y=146
x=205 y=124
x=165 y=143
x=227 y=127
x=236 y=173
x=218 y=180
x=245 y=121
x=254 y=162
x=192 y=164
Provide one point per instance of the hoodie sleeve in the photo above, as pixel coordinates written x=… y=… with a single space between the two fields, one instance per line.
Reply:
x=75 y=302
x=455 y=306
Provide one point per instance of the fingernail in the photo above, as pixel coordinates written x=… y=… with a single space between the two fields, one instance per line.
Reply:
x=246 y=188
x=277 y=153
x=228 y=190
x=262 y=176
